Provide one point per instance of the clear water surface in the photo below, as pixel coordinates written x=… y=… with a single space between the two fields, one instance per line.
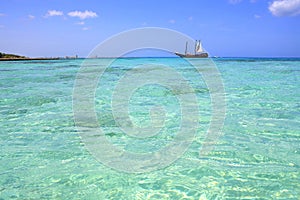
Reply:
x=257 y=157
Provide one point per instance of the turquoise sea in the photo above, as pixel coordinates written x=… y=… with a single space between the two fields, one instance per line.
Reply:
x=257 y=156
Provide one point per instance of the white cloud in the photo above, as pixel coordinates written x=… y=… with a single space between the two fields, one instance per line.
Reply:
x=52 y=13
x=1 y=26
x=85 y=28
x=257 y=16
x=31 y=17
x=234 y=1
x=172 y=21
x=2 y=14
x=80 y=23
x=239 y=1
x=285 y=8
x=83 y=15
x=190 y=18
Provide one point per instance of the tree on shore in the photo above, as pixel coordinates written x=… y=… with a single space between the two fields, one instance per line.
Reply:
x=4 y=55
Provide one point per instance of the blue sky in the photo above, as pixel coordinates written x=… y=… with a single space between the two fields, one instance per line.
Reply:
x=263 y=28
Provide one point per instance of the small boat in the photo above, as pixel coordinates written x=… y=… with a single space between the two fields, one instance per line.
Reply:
x=199 y=52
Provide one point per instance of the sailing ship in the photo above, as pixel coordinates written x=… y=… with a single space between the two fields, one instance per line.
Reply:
x=199 y=52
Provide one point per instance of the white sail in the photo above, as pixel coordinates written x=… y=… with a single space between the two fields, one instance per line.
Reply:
x=199 y=47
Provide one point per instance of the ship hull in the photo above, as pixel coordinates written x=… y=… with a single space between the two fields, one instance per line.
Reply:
x=201 y=55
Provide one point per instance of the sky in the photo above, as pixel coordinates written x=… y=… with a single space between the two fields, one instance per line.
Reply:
x=227 y=28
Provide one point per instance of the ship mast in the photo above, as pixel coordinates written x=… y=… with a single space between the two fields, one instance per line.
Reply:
x=186 y=45
x=195 y=47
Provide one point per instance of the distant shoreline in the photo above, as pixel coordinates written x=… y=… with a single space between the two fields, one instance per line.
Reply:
x=20 y=59
x=214 y=58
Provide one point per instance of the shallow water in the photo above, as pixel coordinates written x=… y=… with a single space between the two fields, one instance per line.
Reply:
x=256 y=157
